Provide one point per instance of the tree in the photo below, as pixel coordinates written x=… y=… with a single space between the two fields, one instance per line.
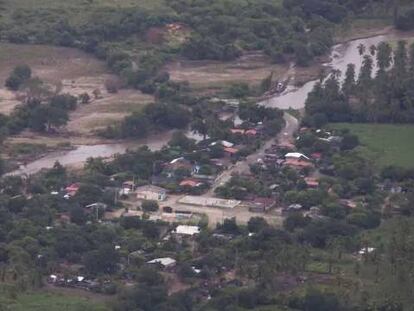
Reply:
x=200 y=126
x=84 y=98
x=348 y=85
x=149 y=206
x=256 y=224
x=361 y=49
x=384 y=52
x=179 y=139
x=102 y=260
x=18 y=76
x=78 y=215
x=1 y=166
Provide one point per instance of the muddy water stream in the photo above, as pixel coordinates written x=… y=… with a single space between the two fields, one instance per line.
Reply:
x=294 y=97
x=341 y=55
x=83 y=152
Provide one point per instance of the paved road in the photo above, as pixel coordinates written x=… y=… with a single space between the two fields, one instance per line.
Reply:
x=243 y=167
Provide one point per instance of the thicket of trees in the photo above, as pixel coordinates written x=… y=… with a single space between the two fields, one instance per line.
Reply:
x=221 y=30
x=39 y=115
x=382 y=92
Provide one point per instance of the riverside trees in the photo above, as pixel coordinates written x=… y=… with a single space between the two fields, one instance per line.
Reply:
x=382 y=92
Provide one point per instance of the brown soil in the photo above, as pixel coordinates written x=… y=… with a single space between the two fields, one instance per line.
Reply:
x=251 y=68
x=70 y=71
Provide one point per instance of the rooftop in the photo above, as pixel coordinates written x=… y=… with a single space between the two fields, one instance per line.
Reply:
x=151 y=188
x=187 y=230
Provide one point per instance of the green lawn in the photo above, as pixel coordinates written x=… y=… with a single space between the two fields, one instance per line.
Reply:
x=385 y=143
x=50 y=302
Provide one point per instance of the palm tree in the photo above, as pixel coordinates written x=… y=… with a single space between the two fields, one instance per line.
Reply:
x=373 y=49
x=361 y=49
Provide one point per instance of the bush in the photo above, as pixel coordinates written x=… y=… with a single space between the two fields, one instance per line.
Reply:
x=149 y=206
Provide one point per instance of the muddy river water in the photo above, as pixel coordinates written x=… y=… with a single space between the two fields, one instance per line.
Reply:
x=294 y=97
x=341 y=55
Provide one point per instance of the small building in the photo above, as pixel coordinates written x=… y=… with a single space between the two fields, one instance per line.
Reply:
x=97 y=205
x=261 y=205
x=231 y=151
x=312 y=182
x=294 y=207
x=179 y=163
x=298 y=163
x=224 y=143
x=237 y=131
x=190 y=183
x=296 y=155
x=151 y=192
x=165 y=262
x=348 y=203
x=127 y=187
x=187 y=230
x=251 y=132
x=317 y=156
x=72 y=189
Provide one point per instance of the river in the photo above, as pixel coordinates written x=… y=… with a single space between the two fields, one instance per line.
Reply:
x=293 y=97
x=341 y=55
x=82 y=152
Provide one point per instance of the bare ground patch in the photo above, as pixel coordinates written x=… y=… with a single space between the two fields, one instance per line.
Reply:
x=251 y=68
x=71 y=71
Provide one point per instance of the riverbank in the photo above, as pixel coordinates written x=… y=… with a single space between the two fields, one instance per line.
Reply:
x=292 y=98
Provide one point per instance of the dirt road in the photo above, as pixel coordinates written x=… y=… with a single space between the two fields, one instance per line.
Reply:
x=243 y=167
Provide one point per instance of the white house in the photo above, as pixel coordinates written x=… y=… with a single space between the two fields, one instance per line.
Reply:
x=150 y=192
x=295 y=155
x=166 y=262
x=187 y=230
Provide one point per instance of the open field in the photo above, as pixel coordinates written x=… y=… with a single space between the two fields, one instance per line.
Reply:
x=67 y=70
x=387 y=144
x=52 y=302
x=251 y=68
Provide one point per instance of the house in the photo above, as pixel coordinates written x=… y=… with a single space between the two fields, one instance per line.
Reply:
x=191 y=183
x=317 y=156
x=221 y=163
x=348 y=203
x=298 y=164
x=187 y=230
x=237 y=131
x=165 y=262
x=312 y=182
x=296 y=155
x=71 y=190
x=231 y=151
x=261 y=205
x=179 y=163
x=224 y=143
x=294 y=207
x=366 y=250
x=251 y=132
x=150 y=192
x=97 y=205
x=286 y=146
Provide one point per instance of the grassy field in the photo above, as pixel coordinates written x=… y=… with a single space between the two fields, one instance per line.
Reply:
x=50 y=302
x=385 y=143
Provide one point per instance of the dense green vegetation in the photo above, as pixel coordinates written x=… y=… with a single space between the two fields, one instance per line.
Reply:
x=38 y=301
x=387 y=145
x=134 y=40
x=384 y=96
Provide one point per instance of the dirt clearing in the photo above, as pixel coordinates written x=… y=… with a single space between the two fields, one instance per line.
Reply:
x=251 y=68
x=67 y=70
